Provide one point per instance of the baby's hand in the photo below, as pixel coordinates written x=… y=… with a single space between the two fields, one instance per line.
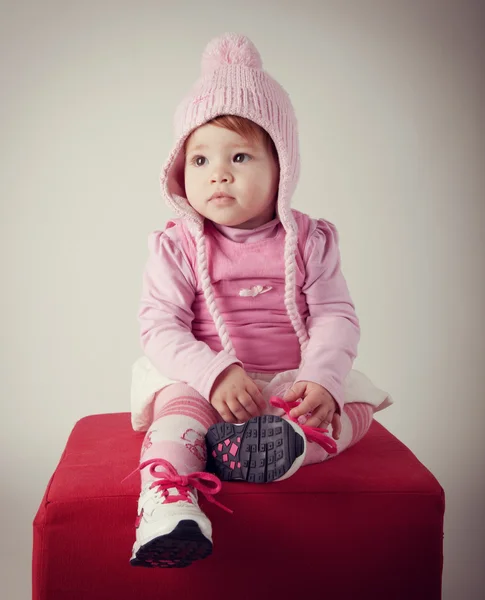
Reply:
x=317 y=401
x=235 y=396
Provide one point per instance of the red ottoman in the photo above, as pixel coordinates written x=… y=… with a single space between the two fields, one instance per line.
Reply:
x=367 y=524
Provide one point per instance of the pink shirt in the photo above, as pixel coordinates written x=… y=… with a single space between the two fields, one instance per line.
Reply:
x=179 y=336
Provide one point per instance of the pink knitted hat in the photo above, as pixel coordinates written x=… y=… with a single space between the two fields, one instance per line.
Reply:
x=233 y=82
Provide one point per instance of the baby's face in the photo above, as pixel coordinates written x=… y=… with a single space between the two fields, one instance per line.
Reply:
x=219 y=161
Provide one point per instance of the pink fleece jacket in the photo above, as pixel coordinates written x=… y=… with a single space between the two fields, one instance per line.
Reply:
x=179 y=336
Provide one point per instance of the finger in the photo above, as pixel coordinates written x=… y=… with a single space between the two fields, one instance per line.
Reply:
x=295 y=392
x=238 y=411
x=336 y=426
x=224 y=411
x=226 y=414
x=256 y=396
x=307 y=406
x=321 y=418
x=248 y=403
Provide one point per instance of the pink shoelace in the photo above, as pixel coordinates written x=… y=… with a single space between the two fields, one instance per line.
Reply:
x=206 y=483
x=313 y=434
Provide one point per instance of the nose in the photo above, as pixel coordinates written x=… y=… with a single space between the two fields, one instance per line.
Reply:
x=221 y=174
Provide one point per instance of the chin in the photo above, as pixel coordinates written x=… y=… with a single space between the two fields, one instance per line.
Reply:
x=229 y=222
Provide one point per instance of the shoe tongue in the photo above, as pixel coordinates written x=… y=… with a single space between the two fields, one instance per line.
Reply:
x=178 y=490
x=184 y=492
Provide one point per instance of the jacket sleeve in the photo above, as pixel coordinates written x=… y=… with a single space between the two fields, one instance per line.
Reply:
x=332 y=324
x=166 y=316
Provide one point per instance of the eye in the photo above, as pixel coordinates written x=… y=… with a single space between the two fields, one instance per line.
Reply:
x=199 y=161
x=241 y=157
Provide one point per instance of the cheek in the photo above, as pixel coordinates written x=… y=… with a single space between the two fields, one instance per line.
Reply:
x=274 y=182
x=264 y=184
x=191 y=182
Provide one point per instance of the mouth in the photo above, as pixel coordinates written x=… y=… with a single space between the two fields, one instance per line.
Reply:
x=221 y=198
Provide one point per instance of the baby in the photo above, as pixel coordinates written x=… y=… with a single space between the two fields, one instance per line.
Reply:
x=247 y=325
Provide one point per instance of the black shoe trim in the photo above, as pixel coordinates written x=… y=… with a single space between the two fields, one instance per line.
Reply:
x=179 y=548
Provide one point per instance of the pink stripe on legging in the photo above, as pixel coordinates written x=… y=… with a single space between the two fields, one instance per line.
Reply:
x=194 y=399
x=166 y=399
x=197 y=403
x=205 y=414
x=359 y=422
x=365 y=420
x=205 y=422
x=360 y=415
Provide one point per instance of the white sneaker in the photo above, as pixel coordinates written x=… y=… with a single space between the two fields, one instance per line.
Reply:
x=171 y=530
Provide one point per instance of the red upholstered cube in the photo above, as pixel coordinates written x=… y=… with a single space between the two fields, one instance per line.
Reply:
x=366 y=524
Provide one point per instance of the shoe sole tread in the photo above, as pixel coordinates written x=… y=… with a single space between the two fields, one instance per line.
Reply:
x=259 y=451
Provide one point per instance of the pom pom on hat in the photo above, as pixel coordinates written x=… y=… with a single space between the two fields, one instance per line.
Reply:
x=230 y=49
